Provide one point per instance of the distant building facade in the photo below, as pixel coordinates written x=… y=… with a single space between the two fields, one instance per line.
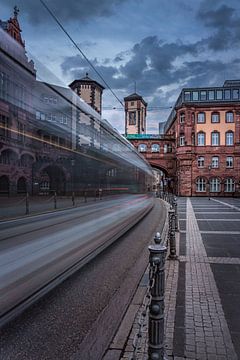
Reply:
x=90 y=91
x=135 y=114
x=206 y=124
x=202 y=156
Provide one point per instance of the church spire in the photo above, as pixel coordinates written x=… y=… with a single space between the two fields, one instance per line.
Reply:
x=16 y=11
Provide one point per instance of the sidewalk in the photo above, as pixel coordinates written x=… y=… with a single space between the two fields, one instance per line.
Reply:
x=198 y=322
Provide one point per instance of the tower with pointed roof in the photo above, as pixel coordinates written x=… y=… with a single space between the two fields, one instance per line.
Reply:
x=135 y=114
x=90 y=91
x=12 y=27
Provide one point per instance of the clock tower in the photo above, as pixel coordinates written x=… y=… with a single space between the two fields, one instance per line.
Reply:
x=135 y=114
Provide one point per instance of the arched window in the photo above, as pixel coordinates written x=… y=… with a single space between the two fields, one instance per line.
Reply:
x=201 y=117
x=215 y=117
x=142 y=147
x=229 y=117
x=155 y=148
x=229 y=185
x=182 y=118
x=215 y=138
x=229 y=138
x=201 y=185
x=215 y=185
x=201 y=138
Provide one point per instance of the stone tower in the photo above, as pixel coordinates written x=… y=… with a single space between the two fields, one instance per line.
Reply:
x=90 y=91
x=135 y=114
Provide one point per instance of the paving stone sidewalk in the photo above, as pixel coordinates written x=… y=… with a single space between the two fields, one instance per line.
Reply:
x=195 y=322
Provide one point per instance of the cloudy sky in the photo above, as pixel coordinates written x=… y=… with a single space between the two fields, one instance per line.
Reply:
x=162 y=45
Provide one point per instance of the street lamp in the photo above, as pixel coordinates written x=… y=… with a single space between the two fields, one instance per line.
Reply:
x=209 y=168
x=73 y=195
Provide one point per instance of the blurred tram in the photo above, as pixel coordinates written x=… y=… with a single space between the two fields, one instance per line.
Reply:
x=52 y=141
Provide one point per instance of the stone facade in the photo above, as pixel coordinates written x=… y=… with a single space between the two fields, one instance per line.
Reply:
x=135 y=114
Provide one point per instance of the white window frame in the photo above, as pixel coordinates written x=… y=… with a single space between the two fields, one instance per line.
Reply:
x=215 y=138
x=231 y=119
x=229 y=185
x=200 y=138
x=229 y=139
x=200 y=161
x=201 y=185
x=182 y=118
x=201 y=117
x=215 y=162
x=181 y=140
x=229 y=162
x=215 y=185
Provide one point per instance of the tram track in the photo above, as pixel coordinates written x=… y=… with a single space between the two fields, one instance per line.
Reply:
x=52 y=273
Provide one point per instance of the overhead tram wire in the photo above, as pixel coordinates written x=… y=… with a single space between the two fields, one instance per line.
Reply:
x=81 y=52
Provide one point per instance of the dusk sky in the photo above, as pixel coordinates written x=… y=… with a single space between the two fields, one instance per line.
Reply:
x=163 y=45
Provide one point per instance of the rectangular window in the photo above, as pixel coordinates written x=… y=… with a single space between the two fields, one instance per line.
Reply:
x=203 y=95
x=219 y=94
x=201 y=139
x=201 y=117
x=229 y=162
x=187 y=95
x=235 y=94
x=211 y=95
x=215 y=118
x=4 y=126
x=229 y=117
x=215 y=162
x=195 y=95
x=200 y=161
x=182 y=140
x=4 y=86
x=215 y=139
x=227 y=94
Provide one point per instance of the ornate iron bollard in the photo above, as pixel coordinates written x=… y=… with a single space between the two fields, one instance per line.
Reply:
x=157 y=256
x=171 y=233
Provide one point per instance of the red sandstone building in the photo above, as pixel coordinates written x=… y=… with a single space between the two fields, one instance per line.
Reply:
x=199 y=152
x=206 y=126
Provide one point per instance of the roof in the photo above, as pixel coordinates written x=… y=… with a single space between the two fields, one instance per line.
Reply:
x=85 y=80
x=135 y=96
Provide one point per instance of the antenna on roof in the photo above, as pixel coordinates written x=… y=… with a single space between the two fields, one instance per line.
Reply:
x=135 y=87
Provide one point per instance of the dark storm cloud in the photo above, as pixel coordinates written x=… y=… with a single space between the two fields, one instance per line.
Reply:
x=151 y=63
x=81 y=10
x=224 y=20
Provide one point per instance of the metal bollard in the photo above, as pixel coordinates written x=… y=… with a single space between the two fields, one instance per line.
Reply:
x=157 y=256
x=73 y=198
x=27 y=204
x=171 y=234
x=55 y=200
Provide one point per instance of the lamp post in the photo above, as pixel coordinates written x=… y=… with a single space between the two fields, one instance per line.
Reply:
x=209 y=168
x=72 y=183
